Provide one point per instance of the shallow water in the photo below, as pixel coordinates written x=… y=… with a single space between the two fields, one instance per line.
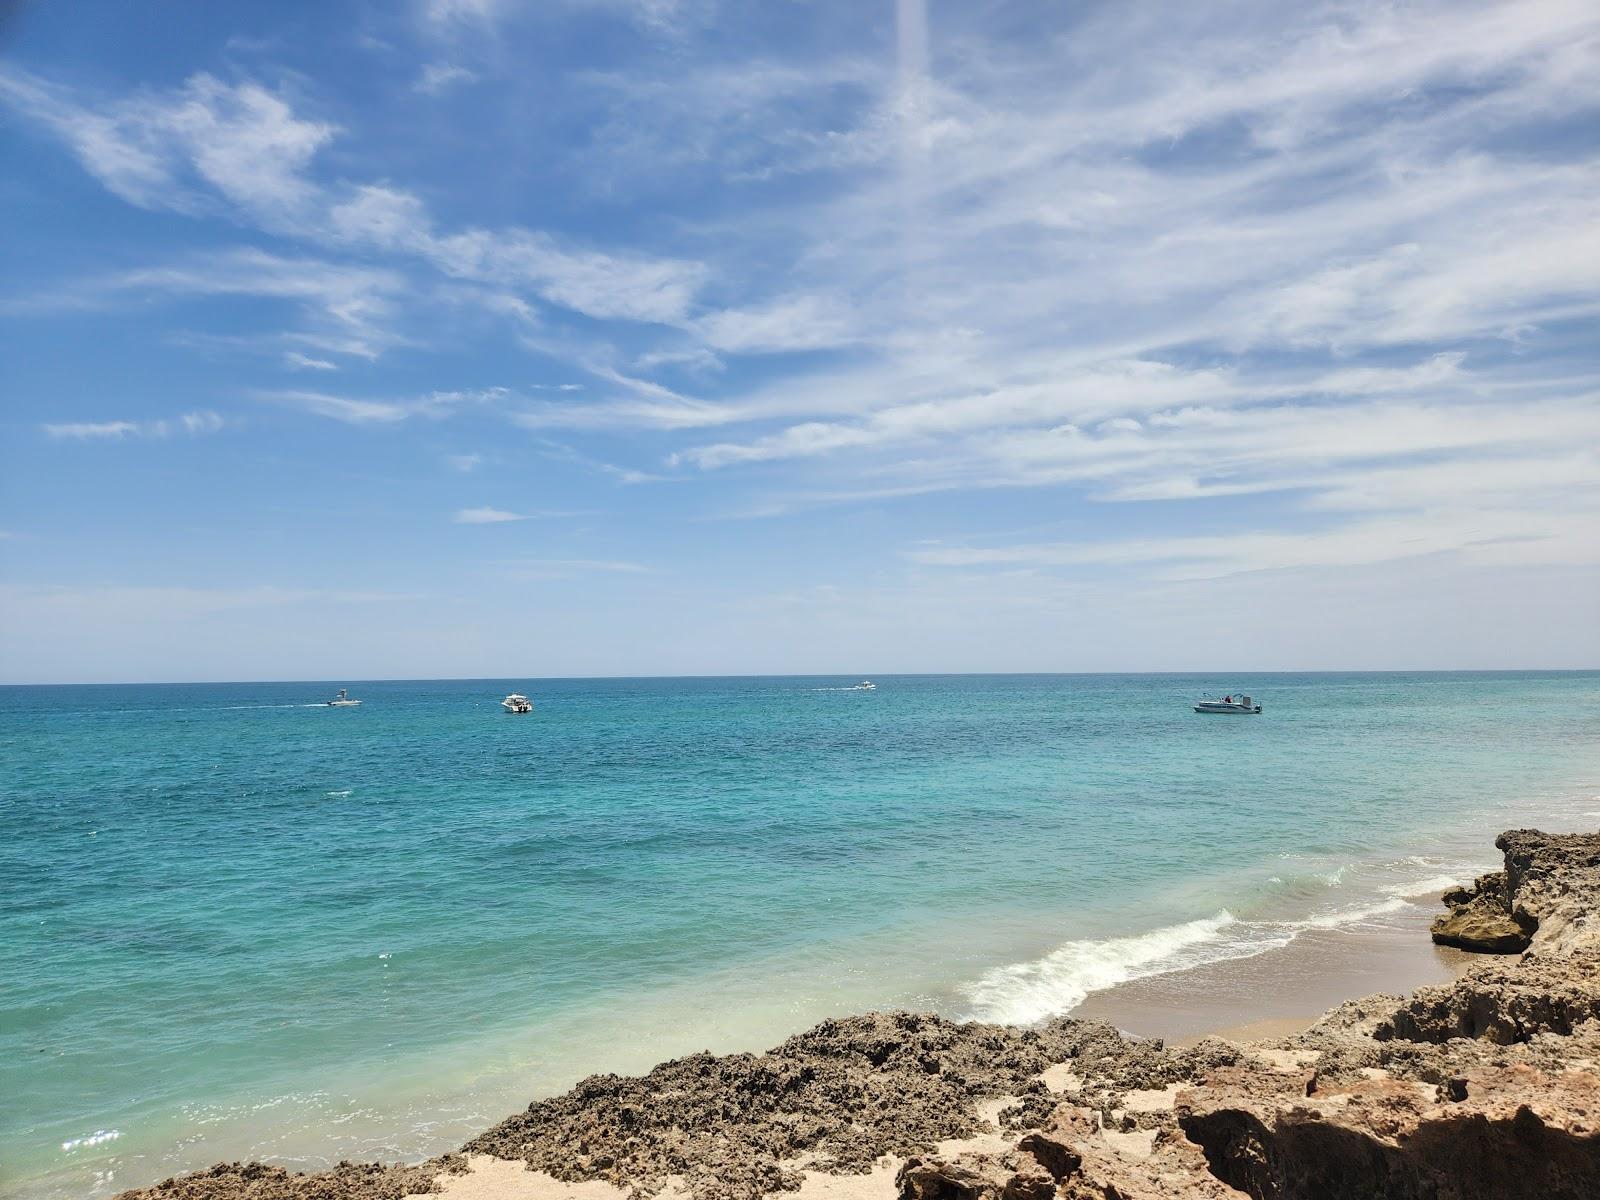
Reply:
x=235 y=923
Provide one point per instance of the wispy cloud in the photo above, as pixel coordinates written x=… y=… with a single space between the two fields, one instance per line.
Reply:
x=304 y=362
x=353 y=410
x=341 y=408
x=498 y=516
x=488 y=516
x=465 y=463
x=1262 y=273
x=556 y=568
x=190 y=424
x=210 y=144
x=168 y=151
x=437 y=78
x=1496 y=538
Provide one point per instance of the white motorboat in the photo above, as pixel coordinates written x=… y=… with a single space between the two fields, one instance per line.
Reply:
x=342 y=700
x=1234 y=703
x=866 y=685
x=517 y=703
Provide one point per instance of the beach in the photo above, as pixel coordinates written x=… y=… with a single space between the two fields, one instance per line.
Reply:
x=1482 y=1086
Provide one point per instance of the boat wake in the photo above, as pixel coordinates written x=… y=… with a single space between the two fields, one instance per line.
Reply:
x=243 y=707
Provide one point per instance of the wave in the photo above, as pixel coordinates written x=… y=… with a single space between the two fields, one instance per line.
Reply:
x=1347 y=916
x=1424 y=887
x=1022 y=993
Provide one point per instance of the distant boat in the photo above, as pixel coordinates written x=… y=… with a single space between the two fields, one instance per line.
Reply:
x=517 y=703
x=1228 y=704
x=866 y=685
x=342 y=700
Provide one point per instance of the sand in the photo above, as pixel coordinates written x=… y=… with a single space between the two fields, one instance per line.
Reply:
x=1282 y=991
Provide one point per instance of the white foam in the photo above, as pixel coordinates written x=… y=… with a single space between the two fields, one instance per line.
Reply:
x=1021 y=993
x=1024 y=992
x=1424 y=887
x=346 y=792
x=1349 y=916
x=97 y=1138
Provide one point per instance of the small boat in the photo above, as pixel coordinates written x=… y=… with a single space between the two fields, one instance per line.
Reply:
x=866 y=685
x=517 y=703
x=342 y=700
x=1234 y=703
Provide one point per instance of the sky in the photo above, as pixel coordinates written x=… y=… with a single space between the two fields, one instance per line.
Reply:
x=493 y=338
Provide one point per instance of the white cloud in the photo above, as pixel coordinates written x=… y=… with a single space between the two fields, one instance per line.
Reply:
x=624 y=286
x=1339 y=255
x=465 y=463
x=437 y=78
x=559 y=568
x=487 y=516
x=304 y=362
x=444 y=12
x=190 y=423
x=156 y=150
x=243 y=145
x=342 y=408
x=354 y=410
x=1489 y=538
x=786 y=324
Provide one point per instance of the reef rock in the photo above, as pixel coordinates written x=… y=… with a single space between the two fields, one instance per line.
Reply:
x=1486 y=1135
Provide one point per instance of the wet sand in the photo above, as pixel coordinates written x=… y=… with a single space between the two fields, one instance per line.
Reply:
x=1282 y=991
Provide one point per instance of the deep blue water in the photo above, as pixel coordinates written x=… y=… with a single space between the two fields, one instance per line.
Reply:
x=236 y=924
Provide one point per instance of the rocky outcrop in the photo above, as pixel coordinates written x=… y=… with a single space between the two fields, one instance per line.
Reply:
x=1504 y=1004
x=1481 y=919
x=1486 y=1087
x=838 y=1097
x=1489 y=1134
x=347 y=1181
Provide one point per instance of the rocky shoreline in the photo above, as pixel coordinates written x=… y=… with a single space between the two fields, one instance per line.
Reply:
x=1485 y=1087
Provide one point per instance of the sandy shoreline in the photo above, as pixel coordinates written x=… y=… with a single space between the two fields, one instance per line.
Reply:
x=1285 y=989
x=1482 y=1082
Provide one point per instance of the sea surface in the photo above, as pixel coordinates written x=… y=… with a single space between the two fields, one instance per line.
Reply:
x=237 y=923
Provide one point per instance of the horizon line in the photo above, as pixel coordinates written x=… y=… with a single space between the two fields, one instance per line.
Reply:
x=347 y=680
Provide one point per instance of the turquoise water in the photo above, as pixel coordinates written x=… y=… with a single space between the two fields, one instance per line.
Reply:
x=235 y=924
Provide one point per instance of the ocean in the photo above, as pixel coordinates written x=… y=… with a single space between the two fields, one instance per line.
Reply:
x=237 y=923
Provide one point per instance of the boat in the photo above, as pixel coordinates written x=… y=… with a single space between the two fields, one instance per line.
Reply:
x=342 y=700
x=866 y=685
x=517 y=703
x=1233 y=703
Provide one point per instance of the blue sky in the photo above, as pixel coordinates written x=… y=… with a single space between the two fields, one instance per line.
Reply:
x=490 y=338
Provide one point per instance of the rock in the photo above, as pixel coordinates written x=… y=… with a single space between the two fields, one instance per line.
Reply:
x=940 y=1179
x=1478 y=926
x=1535 y=1136
x=1504 y=1004
x=347 y=1181
x=975 y=1177
x=1481 y=918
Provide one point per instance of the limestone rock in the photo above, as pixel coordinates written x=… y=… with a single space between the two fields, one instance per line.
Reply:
x=1479 y=926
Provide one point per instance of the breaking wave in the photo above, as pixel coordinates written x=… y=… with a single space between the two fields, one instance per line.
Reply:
x=1024 y=992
